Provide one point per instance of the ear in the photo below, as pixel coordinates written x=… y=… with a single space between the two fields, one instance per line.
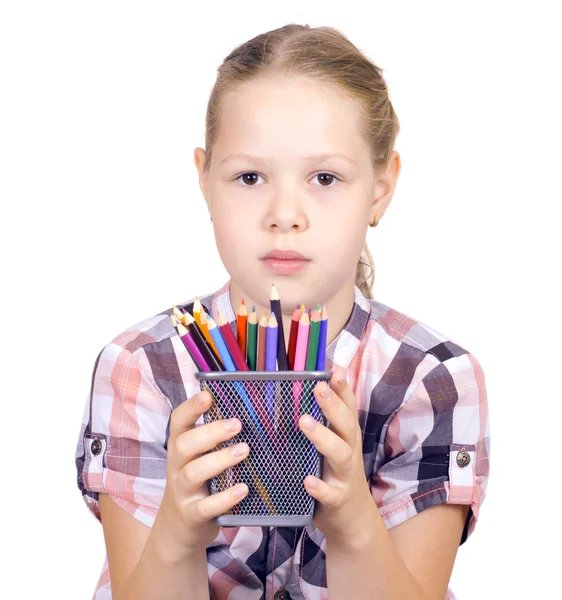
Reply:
x=199 y=158
x=385 y=186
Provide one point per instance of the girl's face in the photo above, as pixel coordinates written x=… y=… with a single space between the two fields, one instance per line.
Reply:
x=305 y=183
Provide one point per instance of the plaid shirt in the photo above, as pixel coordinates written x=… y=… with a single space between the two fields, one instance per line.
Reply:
x=422 y=407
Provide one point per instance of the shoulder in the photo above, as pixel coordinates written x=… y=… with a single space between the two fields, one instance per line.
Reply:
x=155 y=329
x=151 y=353
x=393 y=327
x=401 y=358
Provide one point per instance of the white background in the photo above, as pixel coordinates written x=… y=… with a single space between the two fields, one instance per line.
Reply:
x=102 y=105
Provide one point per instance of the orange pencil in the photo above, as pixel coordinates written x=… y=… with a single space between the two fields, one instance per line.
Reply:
x=205 y=330
x=262 y=341
x=232 y=344
x=242 y=325
x=197 y=308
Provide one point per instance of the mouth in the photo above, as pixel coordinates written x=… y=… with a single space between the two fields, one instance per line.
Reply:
x=285 y=262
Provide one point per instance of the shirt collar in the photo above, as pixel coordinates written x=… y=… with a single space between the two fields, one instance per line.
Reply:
x=340 y=351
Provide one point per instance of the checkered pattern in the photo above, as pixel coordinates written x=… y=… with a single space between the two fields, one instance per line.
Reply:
x=421 y=401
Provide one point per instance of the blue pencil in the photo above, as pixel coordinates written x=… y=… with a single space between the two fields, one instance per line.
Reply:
x=321 y=358
x=230 y=366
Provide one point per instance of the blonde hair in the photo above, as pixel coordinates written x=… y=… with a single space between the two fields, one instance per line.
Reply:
x=326 y=55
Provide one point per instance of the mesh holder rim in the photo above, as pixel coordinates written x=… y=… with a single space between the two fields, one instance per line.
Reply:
x=269 y=405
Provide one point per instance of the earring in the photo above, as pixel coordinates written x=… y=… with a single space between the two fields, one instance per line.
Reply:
x=374 y=222
x=211 y=218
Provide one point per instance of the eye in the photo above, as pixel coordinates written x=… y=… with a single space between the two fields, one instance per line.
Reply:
x=251 y=174
x=330 y=178
x=249 y=178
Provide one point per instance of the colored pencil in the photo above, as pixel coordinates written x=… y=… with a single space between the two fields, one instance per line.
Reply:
x=177 y=312
x=302 y=342
x=197 y=310
x=231 y=343
x=275 y=305
x=322 y=340
x=271 y=355
x=297 y=313
x=312 y=351
x=215 y=331
x=203 y=316
x=252 y=339
x=241 y=327
x=271 y=364
x=220 y=344
x=191 y=346
x=206 y=350
x=300 y=363
x=262 y=342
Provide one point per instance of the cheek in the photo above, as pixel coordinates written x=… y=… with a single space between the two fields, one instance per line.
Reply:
x=235 y=248
x=345 y=240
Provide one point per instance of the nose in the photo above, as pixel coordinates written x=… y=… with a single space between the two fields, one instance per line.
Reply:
x=286 y=213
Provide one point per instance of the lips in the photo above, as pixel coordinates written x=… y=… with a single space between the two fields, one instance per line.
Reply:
x=285 y=255
x=285 y=262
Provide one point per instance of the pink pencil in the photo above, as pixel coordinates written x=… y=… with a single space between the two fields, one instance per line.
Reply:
x=300 y=362
x=302 y=342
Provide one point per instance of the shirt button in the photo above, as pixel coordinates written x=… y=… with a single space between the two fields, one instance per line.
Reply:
x=96 y=446
x=463 y=458
x=282 y=595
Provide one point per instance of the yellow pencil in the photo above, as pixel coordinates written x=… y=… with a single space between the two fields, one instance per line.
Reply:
x=205 y=329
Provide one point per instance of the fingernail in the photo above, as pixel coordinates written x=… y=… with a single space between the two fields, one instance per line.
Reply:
x=240 y=490
x=309 y=423
x=325 y=391
x=232 y=424
x=201 y=398
x=240 y=449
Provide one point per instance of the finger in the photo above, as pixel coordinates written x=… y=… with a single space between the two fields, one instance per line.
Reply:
x=186 y=414
x=198 y=440
x=217 y=504
x=342 y=420
x=195 y=473
x=335 y=450
x=340 y=385
x=328 y=495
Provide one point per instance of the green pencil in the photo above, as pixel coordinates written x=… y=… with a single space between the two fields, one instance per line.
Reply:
x=252 y=345
x=312 y=351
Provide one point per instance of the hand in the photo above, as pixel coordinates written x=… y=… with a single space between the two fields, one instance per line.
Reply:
x=188 y=510
x=343 y=493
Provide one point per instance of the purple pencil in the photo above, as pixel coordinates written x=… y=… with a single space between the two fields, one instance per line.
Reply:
x=271 y=362
x=191 y=346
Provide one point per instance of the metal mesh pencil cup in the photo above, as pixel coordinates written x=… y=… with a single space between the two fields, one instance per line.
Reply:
x=269 y=405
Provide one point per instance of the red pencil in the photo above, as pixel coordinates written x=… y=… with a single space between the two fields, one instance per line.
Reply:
x=297 y=314
x=241 y=327
x=232 y=344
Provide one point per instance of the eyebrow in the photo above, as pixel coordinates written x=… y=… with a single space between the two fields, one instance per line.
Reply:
x=312 y=158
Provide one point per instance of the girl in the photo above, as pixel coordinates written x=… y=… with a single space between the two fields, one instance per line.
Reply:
x=299 y=158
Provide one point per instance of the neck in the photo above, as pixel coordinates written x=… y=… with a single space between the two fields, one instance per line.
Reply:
x=339 y=307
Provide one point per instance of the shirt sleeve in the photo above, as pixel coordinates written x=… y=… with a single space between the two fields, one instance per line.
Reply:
x=437 y=446
x=122 y=446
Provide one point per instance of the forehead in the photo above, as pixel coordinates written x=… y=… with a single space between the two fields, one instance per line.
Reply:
x=295 y=115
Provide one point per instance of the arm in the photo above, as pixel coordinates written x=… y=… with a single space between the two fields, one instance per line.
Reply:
x=412 y=561
x=141 y=562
